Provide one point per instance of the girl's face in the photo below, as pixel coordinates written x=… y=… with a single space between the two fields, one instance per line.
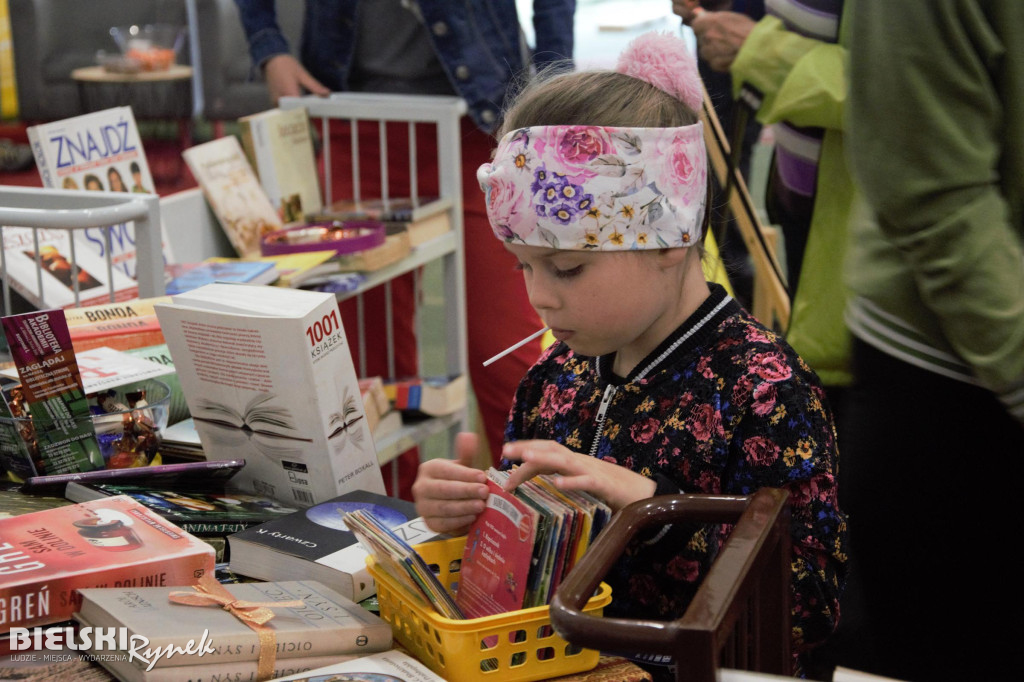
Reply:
x=626 y=302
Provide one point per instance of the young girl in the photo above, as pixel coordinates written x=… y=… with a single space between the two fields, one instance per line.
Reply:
x=660 y=383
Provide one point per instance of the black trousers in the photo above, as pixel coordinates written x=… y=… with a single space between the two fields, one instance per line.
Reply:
x=929 y=469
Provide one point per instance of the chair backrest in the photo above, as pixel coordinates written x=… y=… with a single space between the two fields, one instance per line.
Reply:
x=53 y=37
x=739 y=617
x=225 y=87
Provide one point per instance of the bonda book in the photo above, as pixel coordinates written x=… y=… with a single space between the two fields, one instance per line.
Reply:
x=268 y=377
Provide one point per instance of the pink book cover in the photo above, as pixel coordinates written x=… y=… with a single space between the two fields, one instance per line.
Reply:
x=496 y=561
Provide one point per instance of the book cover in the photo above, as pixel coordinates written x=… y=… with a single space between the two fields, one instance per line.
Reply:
x=185 y=474
x=432 y=396
x=423 y=230
x=316 y=543
x=46 y=267
x=104 y=368
x=233 y=192
x=497 y=560
x=293 y=269
x=161 y=354
x=121 y=325
x=120 y=667
x=326 y=624
x=252 y=272
x=196 y=509
x=100 y=151
x=279 y=145
x=268 y=377
x=113 y=542
x=386 y=666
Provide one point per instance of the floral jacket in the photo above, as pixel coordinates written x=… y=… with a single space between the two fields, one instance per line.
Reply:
x=723 y=406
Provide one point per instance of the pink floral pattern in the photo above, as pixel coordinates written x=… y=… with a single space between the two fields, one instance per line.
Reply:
x=590 y=187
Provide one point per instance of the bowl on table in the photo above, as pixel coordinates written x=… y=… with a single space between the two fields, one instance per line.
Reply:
x=154 y=47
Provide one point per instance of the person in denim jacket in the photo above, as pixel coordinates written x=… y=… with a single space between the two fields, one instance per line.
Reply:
x=474 y=50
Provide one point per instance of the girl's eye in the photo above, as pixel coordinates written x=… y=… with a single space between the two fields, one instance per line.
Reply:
x=566 y=274
x=521 y=266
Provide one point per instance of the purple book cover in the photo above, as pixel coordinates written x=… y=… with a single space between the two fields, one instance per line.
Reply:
x=214 y=474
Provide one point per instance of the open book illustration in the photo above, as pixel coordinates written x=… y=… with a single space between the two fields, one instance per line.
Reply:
x=343 y=423
x=260 y=415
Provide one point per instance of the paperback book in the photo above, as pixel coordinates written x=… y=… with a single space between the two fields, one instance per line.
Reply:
x=268 y=377
x=317 y=543
x=233 y=192
x=252 y=272
x=97 y=151
x=124 y=326
x=427 y=396
x=293 y=269
x=114 y=542
x=191 y=474
x=279 y=145
x=326 y=624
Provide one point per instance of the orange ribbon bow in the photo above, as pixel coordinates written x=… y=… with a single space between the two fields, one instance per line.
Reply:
x=253 y=613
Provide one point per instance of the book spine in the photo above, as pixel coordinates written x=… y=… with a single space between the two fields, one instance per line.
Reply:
x=39 y=151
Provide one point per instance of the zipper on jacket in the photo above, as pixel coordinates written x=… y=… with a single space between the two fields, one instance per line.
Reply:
x=602 y=412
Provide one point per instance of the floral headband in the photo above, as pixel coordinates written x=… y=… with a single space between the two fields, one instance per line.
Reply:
x=606 y=188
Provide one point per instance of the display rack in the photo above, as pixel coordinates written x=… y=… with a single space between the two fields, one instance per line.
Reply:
x=61 y=209
x=444 y=114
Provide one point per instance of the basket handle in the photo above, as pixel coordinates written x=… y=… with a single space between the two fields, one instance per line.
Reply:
x=749 y=513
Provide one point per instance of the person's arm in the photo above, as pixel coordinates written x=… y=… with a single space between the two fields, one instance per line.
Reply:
x=925 y=146
x=802 y=80
x=553 y=28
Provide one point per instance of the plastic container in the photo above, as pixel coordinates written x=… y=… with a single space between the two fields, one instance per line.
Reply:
x=154 y=47
x=518 y=646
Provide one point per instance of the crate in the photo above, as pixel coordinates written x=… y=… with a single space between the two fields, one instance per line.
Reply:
x=519 y=646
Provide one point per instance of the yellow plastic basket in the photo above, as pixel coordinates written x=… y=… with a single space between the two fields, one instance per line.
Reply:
x=518 y=646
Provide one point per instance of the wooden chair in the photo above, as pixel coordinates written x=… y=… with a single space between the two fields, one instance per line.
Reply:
x=740 y=616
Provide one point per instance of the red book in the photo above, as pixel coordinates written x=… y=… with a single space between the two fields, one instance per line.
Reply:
x=46 y=556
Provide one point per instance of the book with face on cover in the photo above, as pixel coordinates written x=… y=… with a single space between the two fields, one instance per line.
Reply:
x=268 y=377
x=317 y=543
x=98 y=151
x=326 y=624
x=114 y=542
x=233 y=192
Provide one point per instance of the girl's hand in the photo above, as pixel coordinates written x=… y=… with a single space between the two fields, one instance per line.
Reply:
x=720 y=35
x=614 y=484
x=286 y=77
x=450 y=494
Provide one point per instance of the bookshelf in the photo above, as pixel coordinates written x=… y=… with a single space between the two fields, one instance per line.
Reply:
x=443 y=113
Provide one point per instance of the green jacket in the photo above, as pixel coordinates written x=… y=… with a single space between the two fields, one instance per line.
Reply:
x=937 y=271
x=804 y=82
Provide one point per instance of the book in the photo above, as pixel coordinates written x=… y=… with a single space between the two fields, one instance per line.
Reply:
x=316 y=543
x=396 y=246
x=114 y=542
x=197 y=509
x=498 y=557
x=327 y=624
x=233 y=192
x=104 y=368
x=41 y=268
x=253 y=272
x=101 y=151
x=181 y=441
x=268 y=377
x=120 y=668
x=293 y=268
x=184 y=474
x=394 y=209
x=431 y=396
x=122 y=325
x=386 y=666
x=425 y=229
x=279 y=145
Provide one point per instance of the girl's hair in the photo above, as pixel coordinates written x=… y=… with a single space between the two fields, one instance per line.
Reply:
x=595 y=98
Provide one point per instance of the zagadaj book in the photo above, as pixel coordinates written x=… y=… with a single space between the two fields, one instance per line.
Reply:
x=46 y=556
x=317 y=543
x=268 y=377
x=326 y=624
x=99 y=151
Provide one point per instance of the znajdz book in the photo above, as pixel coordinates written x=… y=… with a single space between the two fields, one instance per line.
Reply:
x=114 y=542
x=268 y=376
x=317 y=543
x=42 y=270
x=233 y=192
x=327 y=623
x=97 y=151
x=196 y=509
x=279 y=145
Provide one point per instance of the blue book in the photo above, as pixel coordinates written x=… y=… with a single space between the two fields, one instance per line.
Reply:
x=251 y=272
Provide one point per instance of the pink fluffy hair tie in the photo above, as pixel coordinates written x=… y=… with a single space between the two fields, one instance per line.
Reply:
x=664 y=61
